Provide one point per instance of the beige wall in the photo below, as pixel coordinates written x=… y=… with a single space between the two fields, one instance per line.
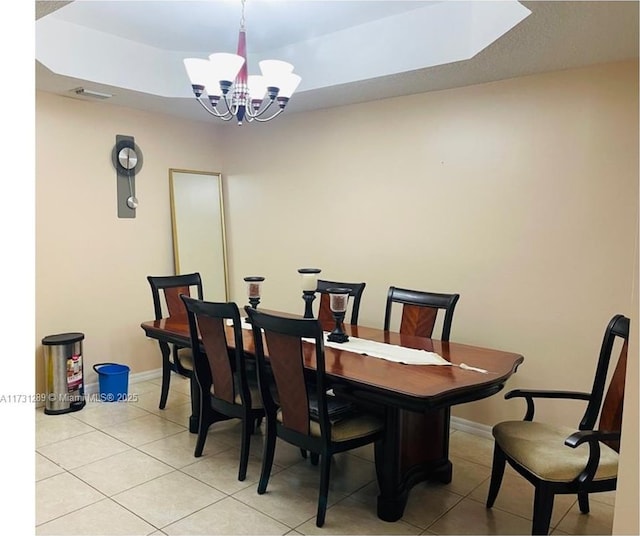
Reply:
x=521 y=195
x=91 y=266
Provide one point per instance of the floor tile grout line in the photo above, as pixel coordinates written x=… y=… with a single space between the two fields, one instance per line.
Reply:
x=65 y=439
x=95 y=428
x=207 y=483
x=212 y=486
x=76 y=509
x=461 y=498
x=175 y=520
x=155 y=528
x=265 y=514
x=498 y=508
x=148 y=442
x=52 y=461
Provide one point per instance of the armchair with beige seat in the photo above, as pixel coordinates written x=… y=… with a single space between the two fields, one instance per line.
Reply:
x=565 y=460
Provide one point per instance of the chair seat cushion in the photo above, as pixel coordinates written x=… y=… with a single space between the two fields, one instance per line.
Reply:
x=186 y=358
x=353 y=426
x=540 y=449
x=256 y=399
x=349 y=427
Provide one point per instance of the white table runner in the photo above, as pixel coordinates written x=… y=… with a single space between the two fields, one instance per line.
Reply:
x=390 y=352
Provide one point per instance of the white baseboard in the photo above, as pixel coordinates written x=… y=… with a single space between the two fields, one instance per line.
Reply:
x=471 y=427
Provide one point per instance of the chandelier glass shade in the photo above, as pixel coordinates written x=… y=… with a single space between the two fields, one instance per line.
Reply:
x=223 y=87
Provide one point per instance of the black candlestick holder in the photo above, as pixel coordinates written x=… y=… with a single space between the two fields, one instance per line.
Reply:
x=308 y=296
x=338 y=298
x=338 y=335
x=253 y=289
x=309 y=284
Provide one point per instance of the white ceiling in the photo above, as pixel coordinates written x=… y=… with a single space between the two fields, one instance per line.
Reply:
x=385 y=47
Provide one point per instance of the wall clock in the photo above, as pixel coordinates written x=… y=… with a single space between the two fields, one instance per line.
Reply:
x=127 y=159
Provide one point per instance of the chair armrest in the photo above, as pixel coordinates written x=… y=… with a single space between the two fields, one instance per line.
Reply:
x=578 y=438
x=530 y=394
x=593 y=438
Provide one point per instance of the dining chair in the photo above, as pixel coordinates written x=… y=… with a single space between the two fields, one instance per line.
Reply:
x=166 y=292
x=226 y=390
x=325 y=316
x=549 y=457
x=420 y=311
x=307 y=418
x=324 y=311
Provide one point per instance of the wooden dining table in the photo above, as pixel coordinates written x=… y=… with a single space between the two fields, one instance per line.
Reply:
x=415 y=400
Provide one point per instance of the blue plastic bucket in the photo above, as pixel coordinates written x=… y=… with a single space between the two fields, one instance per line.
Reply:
x=114 y=381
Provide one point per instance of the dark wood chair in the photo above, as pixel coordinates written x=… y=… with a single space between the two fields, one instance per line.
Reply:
x=226 y=390
x=420 y=311
x=309 y=419
x=547 y=455
x=325 y=316
x=179 y=359
x=324 y=311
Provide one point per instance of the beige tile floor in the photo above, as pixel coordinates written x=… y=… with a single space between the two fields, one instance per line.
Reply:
x=128 y=469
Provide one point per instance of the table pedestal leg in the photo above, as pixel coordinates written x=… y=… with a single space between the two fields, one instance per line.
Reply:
x=415 y=448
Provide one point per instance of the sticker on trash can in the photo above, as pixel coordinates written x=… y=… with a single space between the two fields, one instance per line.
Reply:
x=74 y=372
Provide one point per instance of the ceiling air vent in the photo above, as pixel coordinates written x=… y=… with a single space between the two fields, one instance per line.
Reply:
x=82 y=92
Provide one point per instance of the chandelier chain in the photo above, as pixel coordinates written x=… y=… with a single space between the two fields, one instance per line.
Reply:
x=242 y=28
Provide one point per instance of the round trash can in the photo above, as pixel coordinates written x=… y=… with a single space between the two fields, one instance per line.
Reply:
x=63 y=373
x=113 y=380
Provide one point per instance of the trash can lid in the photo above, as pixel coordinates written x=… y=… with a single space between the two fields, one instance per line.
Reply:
x=62 y=338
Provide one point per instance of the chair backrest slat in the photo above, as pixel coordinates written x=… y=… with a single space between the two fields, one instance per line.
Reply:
x=610 y=411
x=420 y=311
x=213 y=363
x=286 y=353
x=418 y=320
x=172 y=286
x=175 y=307
x=214 y=341
x=611 y=414
x=288 y=369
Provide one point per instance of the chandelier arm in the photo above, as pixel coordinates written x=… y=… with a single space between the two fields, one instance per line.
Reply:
x=260 y=111
x=231 y=110
x=259 y=118
x=214 y=111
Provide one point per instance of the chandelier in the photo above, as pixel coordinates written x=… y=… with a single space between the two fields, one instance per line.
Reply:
x=231 y=92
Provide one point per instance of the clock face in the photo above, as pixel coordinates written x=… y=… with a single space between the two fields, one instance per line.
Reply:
x=128 y=158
